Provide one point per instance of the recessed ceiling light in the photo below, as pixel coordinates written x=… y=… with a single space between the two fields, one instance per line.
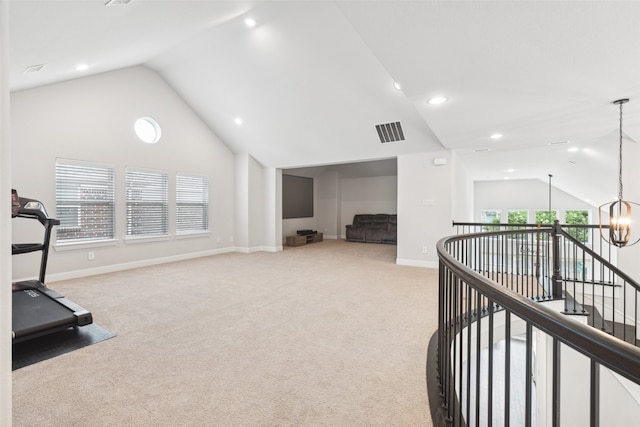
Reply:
x=436 y=100
x=117 y=2
x=397 y=86
x=496 y=136
x=250 y=22
x=237 y=121
x=573 y=149
x=34 y=68
x=511 y=170
x=82 y=67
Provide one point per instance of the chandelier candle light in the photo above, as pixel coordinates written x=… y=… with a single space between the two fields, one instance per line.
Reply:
x=620 y=210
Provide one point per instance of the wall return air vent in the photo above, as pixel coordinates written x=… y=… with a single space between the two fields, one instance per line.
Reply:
x=390 y=132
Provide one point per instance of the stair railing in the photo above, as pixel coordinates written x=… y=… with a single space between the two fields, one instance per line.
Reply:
x=495 y=287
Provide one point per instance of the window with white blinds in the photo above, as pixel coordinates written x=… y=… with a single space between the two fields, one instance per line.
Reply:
x=147 y=203
x=85 y=202
x=192 y=204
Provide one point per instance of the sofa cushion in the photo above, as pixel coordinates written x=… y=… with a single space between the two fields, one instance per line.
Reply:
x=362 y=220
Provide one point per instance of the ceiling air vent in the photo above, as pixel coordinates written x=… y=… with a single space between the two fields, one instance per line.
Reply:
x=390 y=132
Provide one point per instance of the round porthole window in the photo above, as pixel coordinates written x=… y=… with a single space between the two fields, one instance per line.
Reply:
x=148 y=130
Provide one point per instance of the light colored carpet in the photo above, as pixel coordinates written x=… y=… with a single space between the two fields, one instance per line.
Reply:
x=331 y=333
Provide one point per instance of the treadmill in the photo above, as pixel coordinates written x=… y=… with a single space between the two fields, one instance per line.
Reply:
x=38 y=310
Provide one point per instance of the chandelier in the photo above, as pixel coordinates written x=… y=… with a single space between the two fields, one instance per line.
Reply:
x=619 y=222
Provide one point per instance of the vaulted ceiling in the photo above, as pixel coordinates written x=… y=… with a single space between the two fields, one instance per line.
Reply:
x=311 y=79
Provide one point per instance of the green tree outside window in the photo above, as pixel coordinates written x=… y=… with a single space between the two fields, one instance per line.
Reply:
x=546 y=217
x=578 y=217
x=517 y=217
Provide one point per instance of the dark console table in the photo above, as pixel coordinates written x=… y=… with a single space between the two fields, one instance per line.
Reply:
x=299 y=240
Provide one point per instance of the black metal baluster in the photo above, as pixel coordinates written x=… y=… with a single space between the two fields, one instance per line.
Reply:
x=556 y=384
x=507 y=366
x=478 y=354
x=468 y=390
x=450 y=350
x=528 y=375
x=595 y=394
x=490 y=367
x=460 y=352
x=635 y=318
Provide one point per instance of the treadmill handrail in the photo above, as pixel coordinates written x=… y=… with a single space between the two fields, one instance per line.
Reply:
x=23 y=248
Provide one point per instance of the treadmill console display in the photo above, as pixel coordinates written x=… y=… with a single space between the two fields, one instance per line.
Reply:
x=15 y=203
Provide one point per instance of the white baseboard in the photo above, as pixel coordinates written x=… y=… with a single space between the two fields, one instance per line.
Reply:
x=57 y=277
x=259 y=249
x=417 y=263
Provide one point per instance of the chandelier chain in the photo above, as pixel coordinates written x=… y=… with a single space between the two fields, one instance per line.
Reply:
x=620 y=159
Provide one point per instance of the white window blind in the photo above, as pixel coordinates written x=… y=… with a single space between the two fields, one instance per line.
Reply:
x=192 y=204
x=147 y=203
x=85 y=202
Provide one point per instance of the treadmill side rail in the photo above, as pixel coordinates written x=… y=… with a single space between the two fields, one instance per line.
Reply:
x=82 y=315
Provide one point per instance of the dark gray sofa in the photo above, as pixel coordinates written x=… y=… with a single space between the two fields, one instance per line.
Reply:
x=378 y=228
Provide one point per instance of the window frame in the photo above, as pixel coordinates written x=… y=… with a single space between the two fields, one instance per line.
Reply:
x=152 y=196
x=196 y=199
x=85 y=178
x=492 y=218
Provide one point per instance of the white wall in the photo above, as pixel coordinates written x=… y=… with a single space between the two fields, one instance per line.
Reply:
x=91 y=119
x=273 y=205
x=257 y=205
x=525 y=194
x=328 y=204
x=425 y=203
x=462 y=191
x=5 y=225
x=242 y=201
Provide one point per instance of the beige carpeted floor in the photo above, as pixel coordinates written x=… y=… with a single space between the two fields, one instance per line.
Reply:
x=331 y=333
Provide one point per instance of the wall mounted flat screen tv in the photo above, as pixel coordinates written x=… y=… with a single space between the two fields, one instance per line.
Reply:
x=297 y=197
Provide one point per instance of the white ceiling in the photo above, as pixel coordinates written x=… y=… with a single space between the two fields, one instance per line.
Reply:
x=312 y=78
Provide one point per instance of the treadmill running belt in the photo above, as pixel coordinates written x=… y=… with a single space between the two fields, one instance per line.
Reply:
x=34 y=312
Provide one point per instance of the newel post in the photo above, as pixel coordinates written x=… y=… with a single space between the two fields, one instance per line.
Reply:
x=556 y=279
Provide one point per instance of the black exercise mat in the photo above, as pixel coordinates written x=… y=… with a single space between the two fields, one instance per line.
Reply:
x=42 y=348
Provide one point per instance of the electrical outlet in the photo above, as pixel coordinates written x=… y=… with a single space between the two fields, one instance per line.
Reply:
x=424 y=249
x=91 y=256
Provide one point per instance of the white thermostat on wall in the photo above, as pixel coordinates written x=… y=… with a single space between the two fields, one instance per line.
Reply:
x=439 y=161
